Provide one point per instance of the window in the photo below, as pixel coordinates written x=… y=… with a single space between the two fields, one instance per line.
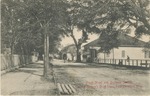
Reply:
x=123 y=54
x=147 y=54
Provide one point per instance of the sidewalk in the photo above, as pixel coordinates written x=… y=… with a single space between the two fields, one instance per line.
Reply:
x=27 y=81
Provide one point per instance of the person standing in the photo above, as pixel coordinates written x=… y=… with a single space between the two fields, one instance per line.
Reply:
x=64 y=57
x=128 y=58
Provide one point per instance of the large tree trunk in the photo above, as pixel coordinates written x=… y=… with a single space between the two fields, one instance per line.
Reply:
x=78 y=53
x=46 y=55
x=78 y=47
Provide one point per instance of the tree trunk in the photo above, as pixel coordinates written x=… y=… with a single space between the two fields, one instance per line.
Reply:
x=78 y=47
x=22 y=54
x=11 y=56
x=78 y=53
x=46 y=55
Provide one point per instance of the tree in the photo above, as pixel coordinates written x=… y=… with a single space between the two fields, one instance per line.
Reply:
x=108 y=40
x=17 y=32
x=78 y=18
x=114 y=16
x=9 y=22
x=11 y=27
x=48 y=15
x=32 y=23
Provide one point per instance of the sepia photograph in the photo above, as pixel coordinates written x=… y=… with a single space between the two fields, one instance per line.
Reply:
x=75 y=48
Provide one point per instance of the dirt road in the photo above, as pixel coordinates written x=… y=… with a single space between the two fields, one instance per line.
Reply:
x=102 y=79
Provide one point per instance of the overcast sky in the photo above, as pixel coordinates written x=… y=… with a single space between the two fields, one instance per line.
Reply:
x=78 y=34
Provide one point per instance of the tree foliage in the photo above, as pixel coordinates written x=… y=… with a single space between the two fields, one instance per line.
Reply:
x=120 y=16
x=24 y=23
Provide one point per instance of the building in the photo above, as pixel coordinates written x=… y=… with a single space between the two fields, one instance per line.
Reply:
x=129 y=47
x=70 y=51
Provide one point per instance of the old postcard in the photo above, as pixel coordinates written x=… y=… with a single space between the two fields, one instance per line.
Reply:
x=75 y=47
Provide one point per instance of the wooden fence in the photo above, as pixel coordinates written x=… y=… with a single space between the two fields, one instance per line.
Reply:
x=131 y=62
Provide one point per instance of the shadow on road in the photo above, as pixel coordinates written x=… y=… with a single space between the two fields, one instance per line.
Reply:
x=31 y=69
x=34 y=65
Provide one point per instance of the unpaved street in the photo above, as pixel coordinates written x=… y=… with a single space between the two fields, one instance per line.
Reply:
x=101 y=79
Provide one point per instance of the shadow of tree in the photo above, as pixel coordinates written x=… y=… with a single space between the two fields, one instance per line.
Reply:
x=34 y=65
x=31 y=69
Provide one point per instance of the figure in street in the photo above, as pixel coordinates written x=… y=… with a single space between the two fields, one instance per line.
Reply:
x=64 y=57
x=128 y=58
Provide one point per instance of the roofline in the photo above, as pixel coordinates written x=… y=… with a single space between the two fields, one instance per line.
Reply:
x=88 y=44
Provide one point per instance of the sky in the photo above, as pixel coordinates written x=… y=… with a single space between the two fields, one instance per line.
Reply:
x=68 y=40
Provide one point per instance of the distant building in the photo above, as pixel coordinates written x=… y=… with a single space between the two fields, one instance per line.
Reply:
x=70 y=51
x=129 y=47
x=35 y=56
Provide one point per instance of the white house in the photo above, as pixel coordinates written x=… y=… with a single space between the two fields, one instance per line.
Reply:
x=129 y=47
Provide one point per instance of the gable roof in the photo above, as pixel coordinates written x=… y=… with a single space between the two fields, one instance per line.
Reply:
x=124 y=39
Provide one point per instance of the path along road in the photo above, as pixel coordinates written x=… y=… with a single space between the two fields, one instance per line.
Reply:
x=102 y=79
x=27 y=81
